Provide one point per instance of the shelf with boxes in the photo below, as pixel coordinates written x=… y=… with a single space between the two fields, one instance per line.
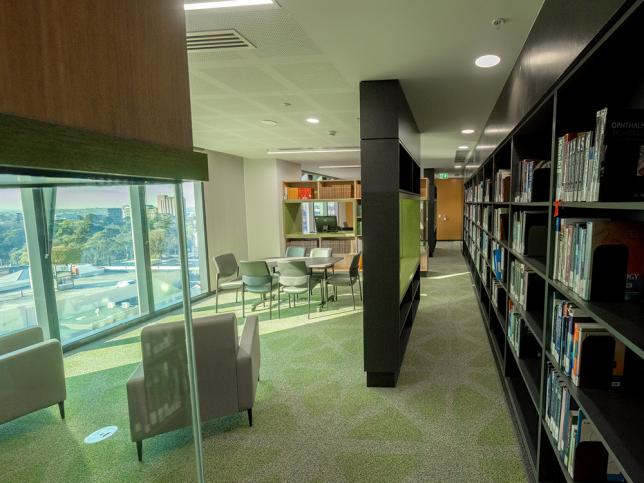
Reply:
x=566 y=240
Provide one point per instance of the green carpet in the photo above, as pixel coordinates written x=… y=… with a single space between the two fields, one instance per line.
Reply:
x=314 y=418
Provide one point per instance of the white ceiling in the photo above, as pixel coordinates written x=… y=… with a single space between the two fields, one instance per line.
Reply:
x=313 y=54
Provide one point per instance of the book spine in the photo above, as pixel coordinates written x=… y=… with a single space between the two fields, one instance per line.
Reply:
x=560 y=148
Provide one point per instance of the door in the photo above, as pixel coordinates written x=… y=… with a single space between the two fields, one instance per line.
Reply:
x=449 y=209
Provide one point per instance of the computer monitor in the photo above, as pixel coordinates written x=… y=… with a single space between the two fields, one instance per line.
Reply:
x=326 y=223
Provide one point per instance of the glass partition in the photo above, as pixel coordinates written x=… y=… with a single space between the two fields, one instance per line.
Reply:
x=92 y=258
x=17 y=309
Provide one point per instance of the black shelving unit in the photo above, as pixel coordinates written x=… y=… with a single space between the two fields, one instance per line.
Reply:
x=601 y=76
x=390 y=150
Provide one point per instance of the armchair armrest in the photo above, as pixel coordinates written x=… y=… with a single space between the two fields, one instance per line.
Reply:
x=137 y=404
x=31 y=378
x=20 y=338
x=248 y=363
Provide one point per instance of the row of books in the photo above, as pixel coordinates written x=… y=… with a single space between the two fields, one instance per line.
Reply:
x=599 y=258
x=498 y=294
x=533 y=181
x=529 y=232
x=336 y=191
x=585 y=351
x=485 y=220
x=498 y=260
x=338 y=246
x=520 y=277
x=502 y=185
x=500 y=223
x=299 y=193
x=474 y=194
x=604 y=165
x=516 y=325
x=579 y=444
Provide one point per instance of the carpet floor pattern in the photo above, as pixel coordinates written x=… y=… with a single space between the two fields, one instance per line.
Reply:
x=314 y=418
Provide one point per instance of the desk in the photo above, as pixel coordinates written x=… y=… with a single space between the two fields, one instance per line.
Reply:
x=323 y=263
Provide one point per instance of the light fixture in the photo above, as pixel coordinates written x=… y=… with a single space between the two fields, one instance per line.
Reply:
x=485 y=146
x=467 y=131
x=458 y=167
x=339 y=167
x=471 y=166
x=463 y=147
x=268 y=122
x=312 y=120
x=313 y=150
x=486 y=61
x=225 y=4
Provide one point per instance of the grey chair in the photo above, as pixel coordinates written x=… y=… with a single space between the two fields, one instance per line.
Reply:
x=294 y=279
x=227 y=276
x=321 y=252
x=295 y=252
x=32 y=375
x=348 y=279
x=257 y=278
x=158 y=392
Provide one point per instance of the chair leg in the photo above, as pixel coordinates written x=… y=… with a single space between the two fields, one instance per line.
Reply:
x=250 y=417
x=236 y=295
x=243 y=302
x=139 y=450
x=353 y=295
x=61 y=408
x=335 y=293
x=360 y=287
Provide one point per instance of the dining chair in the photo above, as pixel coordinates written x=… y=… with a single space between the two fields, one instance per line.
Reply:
x=348 y=279
x=257 y=278
x=294 y=279
x=227 y=276
x=295 y=252
x=325 y=252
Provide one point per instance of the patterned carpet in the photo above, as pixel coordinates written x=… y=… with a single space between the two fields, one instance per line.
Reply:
x=314 y=418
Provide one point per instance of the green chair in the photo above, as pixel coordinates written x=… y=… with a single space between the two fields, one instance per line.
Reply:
x=348 y=279
x=227 y=276
x=295 y=252
x=257 y=278
x=294 y=279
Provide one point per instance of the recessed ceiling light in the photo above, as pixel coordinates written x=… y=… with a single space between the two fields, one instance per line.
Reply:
x=486 y=61
x=467 y=131
x=268 y=122
x=463 y=147
x=458 y=167
x=339 y=167
x=313 y=150
x=312 y=120
x=225 y=4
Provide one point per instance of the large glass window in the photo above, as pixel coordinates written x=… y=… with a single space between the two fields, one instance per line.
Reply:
x=192 y=220
x=93 y=259
x=17 y=308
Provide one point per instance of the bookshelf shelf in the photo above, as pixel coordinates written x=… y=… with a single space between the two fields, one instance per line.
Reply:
x=562 y=120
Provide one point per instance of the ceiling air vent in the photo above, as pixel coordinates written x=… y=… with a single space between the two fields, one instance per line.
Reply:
x=217 y=40
x=460 y=155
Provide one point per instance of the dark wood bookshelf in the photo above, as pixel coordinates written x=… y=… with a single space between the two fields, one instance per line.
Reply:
x=569 y=105
x=390 y=154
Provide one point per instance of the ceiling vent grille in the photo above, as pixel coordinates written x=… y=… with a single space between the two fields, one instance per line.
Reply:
x=460 y=155
x=217 y=40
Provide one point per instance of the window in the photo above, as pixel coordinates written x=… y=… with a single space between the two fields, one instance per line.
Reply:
x=92 y=259
x=17 y=308
x=163 y=243
x=192 y=220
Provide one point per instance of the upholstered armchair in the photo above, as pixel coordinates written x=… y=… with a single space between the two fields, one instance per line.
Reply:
x=32 y=376
x=227 y=373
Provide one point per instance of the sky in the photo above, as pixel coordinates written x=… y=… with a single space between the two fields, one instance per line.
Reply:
x=97 y=196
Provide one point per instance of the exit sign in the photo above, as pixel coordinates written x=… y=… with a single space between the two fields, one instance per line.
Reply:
x=443 y=175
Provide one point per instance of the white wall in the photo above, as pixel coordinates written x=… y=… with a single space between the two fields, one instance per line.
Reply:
x=263 y=184
x=224 y=197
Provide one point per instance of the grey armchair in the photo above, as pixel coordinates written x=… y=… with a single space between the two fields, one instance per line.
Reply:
x=227 y=373
x=32 y=375
x=227 y=276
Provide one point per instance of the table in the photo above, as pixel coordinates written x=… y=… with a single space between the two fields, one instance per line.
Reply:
x=323 y=263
